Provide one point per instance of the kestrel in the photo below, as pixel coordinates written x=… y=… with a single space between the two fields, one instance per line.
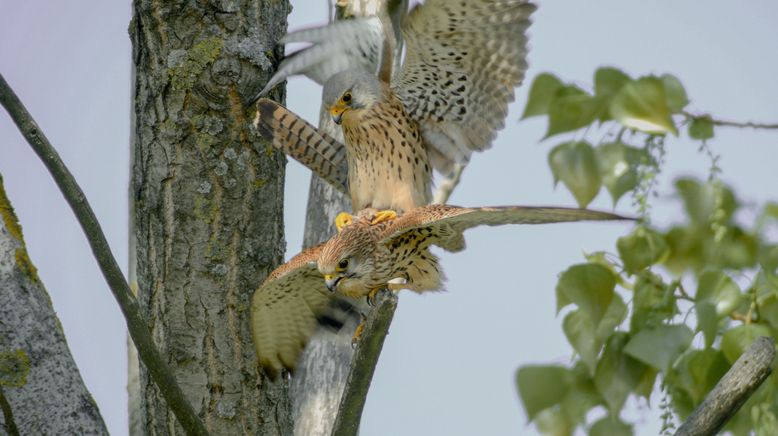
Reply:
x=450 y=97
x=366 y=257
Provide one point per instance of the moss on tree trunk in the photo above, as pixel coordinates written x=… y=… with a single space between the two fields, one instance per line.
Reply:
x=208 y=198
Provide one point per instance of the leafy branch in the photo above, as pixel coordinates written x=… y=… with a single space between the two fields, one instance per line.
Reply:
x=629 y=319
x=136 y=325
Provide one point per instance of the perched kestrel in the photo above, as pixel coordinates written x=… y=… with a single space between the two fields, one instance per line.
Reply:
x=364 y=258
x=450 y=97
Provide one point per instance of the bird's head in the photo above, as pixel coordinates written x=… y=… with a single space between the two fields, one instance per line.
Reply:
x=349 y=92
x=347 y=261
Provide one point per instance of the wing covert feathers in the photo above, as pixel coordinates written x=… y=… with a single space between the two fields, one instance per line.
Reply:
x=285 y=311
x=445 y=223
x=463 y=61
x=313 y=148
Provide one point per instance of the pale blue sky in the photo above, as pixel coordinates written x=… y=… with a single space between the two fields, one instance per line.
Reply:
x=449 y=361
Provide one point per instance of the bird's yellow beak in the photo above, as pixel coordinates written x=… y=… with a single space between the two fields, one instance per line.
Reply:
x=331 y=282
x=336 y=111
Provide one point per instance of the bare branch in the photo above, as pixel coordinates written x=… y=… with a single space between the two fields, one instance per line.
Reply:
x=136 y=325
x=447 y=185
x=363 y=365
x=737 y=385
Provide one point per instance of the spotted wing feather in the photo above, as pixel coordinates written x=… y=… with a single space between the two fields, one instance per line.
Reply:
x=286 y=310
x=443 y=225
x=313 y=148
x=463 y=61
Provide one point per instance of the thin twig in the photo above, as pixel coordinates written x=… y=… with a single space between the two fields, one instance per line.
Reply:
x=737 y=385
x=363 y=365
x=448 y=184
x=136 y=325
x=729 y=123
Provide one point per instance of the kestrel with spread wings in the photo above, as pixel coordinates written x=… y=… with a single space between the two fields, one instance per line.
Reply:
x=366 y=257
x=463 y=60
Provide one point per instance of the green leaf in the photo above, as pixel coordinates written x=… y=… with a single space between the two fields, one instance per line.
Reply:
x=697 y=372
x=590 y=287
x=642 y=105
x=552 y=422
x=659 y=347
x=14 y=368
x=618 y=167
x=614 y=316
x=768 y=308
x=571 y=111
x=701 y=128
x=653 y=303
x=707 y=321
x=617 y=373
x=722 y=292
x=610 y=426
x=646 y=386
x=686 y=249
x=608 y=81
x=579 y=331
x=575 y=165
x=737 y=340
x=581 y=397
x=641 y=249
x=541 y=387
x=542 y=91
x=700 y=202
x=675 y=93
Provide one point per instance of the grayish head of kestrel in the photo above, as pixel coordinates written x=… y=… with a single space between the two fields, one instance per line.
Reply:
x=351 y=90
x=363 y=258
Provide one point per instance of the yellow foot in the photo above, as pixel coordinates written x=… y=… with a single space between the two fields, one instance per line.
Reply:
x=358 y=331
x=342 y=220
x=372 y=295
x=383 y=215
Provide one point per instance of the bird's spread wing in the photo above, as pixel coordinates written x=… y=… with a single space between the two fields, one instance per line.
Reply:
x=463 y=60
x=286 y=310
x=313 y=148
x=337 y=47
x=443 y=225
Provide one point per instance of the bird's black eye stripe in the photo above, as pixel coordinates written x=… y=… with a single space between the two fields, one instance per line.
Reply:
x=343 y=264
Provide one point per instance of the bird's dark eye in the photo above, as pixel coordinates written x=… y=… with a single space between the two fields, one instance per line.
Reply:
x=346 y=97
x=343 y=264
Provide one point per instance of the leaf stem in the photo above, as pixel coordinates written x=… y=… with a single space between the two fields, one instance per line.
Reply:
x=737 y=124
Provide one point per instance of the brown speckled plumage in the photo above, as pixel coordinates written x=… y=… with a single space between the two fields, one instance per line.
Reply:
x=392 y=254
x=450 y=97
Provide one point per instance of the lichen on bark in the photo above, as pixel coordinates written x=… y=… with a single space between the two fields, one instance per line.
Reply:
x=208 y=198
x=42 y=391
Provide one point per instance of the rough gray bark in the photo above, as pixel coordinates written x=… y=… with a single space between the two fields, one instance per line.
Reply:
x=737 y=385
x=52 y=398
x=208 y=205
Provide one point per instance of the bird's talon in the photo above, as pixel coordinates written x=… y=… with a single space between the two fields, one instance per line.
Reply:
x=342 y=220
x=358 y=332
x=383 y=215
x=372 y=295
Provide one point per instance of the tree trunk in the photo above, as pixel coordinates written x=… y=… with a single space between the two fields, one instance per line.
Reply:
x=41 y=390
x=208 y=198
